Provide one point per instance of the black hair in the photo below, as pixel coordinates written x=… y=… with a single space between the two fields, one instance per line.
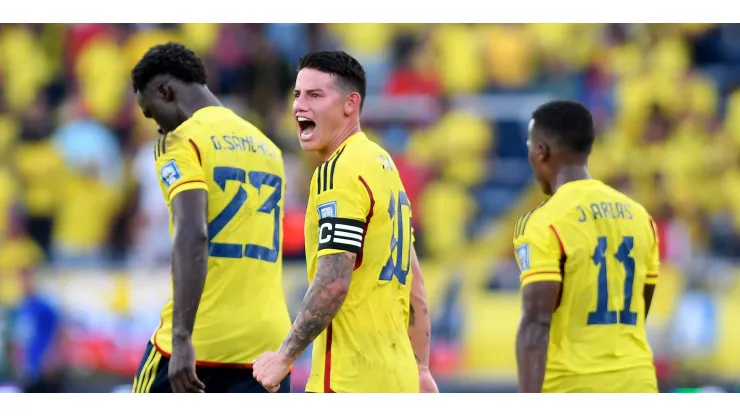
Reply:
x=568 y=123
x=172 y=59
x=349 y=72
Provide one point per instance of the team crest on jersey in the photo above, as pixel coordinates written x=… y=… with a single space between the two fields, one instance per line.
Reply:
x=170 y=173
x=522 y=254
x=386 y=162
x=328 y=210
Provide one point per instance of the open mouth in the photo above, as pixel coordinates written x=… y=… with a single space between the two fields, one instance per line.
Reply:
x=306 y=126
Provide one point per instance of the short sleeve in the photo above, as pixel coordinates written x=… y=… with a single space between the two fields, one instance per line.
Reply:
x=342 y=204
x=653 y=267
x=538 y=251
x=178 y=166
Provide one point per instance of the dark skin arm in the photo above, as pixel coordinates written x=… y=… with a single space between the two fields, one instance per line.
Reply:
x=321 y=303
x=539 y=300
x=189 y=269
x=648 y=296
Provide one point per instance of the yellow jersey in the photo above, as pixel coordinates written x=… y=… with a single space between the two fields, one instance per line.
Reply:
x=603 y=247
x=242 y=310
x=358 y=204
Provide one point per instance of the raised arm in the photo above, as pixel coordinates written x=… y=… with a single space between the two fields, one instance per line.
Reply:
x=420 y=327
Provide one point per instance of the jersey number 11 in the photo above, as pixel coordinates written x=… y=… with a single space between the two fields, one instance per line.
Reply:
x=602 y=315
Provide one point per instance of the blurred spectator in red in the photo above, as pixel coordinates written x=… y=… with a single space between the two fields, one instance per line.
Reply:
x=414 y=73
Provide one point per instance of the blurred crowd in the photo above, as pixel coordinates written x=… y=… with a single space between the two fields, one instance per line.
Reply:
x=450 y=102
x=78 y=186
x=77 y=181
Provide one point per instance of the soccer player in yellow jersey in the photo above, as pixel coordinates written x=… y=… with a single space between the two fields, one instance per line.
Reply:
x=223 y=181
x=589 y=262
x=366 y=309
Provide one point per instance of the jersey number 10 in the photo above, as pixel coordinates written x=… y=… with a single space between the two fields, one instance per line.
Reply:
x=401 y=237
x=602 y=315
x=258 y=179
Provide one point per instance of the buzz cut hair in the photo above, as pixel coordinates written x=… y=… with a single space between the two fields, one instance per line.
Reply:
x=569 y=124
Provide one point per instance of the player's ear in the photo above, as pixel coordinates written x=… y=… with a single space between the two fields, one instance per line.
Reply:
x=352 y=104
x=543 y=151
x=165 y=92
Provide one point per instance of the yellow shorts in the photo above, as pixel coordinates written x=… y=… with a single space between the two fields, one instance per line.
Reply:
x=640 y=380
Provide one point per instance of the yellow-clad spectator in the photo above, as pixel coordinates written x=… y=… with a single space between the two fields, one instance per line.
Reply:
x=9 y=130
x=732 y=117
x=461 y=136
x=510 y=54
x=634 y=98
x=18 y=253
x=103 y=77
x=23 y=64
x=200 y=37
x=364 y=38
x=571 y=43
x=140 y=42
x=39 y=168
x=447 y=208
x=9 y=190
x=459 y=58
x=94 y=184
x=84 y=219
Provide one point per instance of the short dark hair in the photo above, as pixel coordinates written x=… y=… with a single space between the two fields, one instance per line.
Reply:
x=568 y=123
x=347 y=69
x=172 y=59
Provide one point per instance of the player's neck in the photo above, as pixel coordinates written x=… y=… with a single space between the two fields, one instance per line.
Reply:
x=199 y=97
x=340 y=138
x=570 y=173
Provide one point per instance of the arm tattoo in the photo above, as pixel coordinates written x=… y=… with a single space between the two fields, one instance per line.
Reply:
x=322 y=301
x=412 y=322
x=415 y=333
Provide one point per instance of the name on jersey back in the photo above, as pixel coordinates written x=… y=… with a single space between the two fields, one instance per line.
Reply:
x=605 y=210
x=243 y=144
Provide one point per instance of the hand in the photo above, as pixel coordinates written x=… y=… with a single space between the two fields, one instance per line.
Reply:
x=426 y=382
x=270 y=369
x=181 y=370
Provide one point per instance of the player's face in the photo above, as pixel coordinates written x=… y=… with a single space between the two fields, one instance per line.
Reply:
x=319 y=108
x=157 y=102
x=538 y=152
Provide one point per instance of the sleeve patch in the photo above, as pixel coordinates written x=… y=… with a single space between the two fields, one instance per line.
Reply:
x=522 y=254
x=327 y=210
x=170 y=173
x=341 y=234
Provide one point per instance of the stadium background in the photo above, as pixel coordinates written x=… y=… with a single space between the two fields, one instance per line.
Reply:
x=84 y=248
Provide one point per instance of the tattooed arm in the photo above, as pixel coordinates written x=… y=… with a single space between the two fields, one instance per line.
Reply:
x=420 y=325
x=321 y=303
